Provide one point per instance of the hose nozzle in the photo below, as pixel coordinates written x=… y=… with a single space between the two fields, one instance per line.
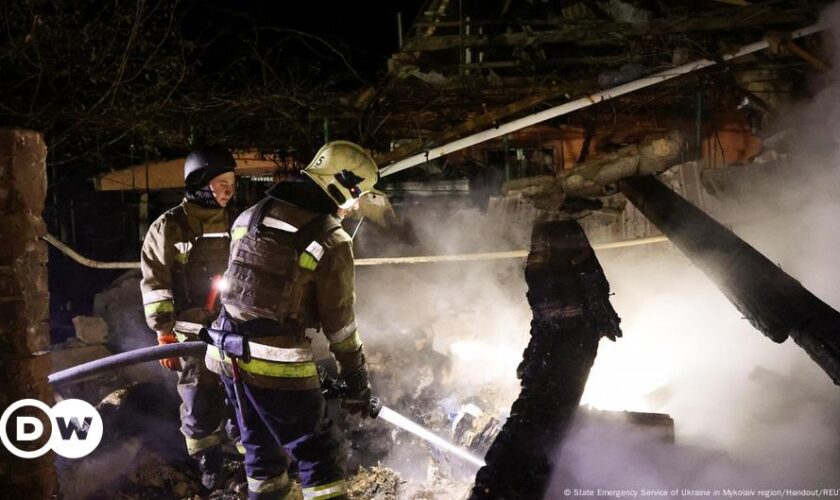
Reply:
x=375 y=407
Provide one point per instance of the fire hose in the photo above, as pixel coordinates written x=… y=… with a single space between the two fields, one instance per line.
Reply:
x=123 y=359
x=331 y=387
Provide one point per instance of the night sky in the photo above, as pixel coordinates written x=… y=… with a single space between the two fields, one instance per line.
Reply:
x=365 y=32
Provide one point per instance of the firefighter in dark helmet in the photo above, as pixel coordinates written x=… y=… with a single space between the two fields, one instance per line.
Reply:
x=184 y=249
x=291 y=269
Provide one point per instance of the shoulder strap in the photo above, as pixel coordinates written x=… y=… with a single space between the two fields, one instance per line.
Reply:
x=231 y=213
x=317 y=229
x=259 y=212
x=180 y=216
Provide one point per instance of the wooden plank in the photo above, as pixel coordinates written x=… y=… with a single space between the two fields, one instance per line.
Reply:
x=772 y=301
x=545 y=63
x=170 y=174
x=610 y=33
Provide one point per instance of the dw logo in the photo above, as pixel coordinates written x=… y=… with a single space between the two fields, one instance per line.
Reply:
x=75 y=428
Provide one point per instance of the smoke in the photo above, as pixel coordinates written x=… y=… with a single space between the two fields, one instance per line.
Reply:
x=439 y=336
x=474 y=313
x=749 y=414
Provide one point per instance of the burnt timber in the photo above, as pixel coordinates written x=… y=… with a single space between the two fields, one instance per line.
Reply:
x=569 y=295
x=771 y=300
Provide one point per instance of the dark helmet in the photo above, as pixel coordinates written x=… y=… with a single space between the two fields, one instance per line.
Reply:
x=205 y=163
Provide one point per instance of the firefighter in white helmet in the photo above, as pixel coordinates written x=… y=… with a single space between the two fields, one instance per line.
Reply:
x=291 y=269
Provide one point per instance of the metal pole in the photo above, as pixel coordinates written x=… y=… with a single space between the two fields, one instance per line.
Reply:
x=375 y=261
x=506 y=152
x=143 y=215
x=578 y=104
x=399 y=30
x=66 y=250
x=510 y=254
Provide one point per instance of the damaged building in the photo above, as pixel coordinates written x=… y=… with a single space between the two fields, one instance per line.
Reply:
x=598 y=259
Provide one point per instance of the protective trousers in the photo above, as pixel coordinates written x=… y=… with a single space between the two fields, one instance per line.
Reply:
x=205 y=415
x=297 y=421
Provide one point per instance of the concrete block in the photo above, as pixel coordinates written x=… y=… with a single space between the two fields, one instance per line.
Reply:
x=91 y=329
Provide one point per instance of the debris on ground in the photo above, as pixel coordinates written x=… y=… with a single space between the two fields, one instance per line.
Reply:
x=157 y=478
x=375 y=483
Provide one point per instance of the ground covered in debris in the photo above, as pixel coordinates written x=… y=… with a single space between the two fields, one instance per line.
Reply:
x=444 y=356
x=142 y=457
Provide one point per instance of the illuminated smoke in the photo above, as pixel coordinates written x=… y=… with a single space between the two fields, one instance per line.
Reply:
x=748 y=413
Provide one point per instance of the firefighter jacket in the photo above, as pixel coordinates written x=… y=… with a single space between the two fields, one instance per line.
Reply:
x=290 y=273
x=182 y=252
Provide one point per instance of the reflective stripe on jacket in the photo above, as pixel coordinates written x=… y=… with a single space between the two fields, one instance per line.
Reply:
x=165 y=255
x=323 y=268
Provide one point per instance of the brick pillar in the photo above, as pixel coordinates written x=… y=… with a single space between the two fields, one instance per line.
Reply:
x=24 y=302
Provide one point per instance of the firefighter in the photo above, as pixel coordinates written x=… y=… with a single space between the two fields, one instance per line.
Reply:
x=184 y=249
x=290 y=273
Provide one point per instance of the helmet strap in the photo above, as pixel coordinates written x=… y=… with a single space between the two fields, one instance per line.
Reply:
x=336 y=195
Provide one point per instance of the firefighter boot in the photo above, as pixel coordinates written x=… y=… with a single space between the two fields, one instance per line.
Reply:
x=211 y=468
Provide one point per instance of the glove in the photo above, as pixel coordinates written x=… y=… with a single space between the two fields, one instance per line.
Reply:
x=357 y=397
x=173 y=364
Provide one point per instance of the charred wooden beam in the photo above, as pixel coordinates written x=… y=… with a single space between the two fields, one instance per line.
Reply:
x=770 y=299
x=592 y=33
x=554 y=62
x=807 y=56
x=569 y=295
x=599 y=176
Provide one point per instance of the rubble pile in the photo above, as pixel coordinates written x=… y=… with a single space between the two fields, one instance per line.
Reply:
x=142 y=454
x=428 y=359
x=375 y=483
x=88 y=344
x=156 y=478
x=432 y=399
x=121 y=306
x=118 y=325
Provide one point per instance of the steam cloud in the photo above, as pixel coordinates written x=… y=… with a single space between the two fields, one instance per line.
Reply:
x=748 y=413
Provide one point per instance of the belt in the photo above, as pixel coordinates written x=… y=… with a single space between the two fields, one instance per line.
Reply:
x=244 y=347
x=271 y=367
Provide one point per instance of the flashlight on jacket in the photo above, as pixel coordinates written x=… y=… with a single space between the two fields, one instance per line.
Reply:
x=219 y=284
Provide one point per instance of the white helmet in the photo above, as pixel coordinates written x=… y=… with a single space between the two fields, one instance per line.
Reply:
x=344 y=170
